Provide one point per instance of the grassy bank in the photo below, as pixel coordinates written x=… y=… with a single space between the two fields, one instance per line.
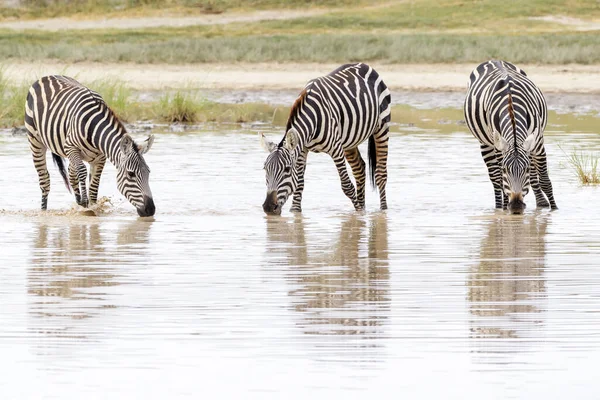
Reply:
x=416 y=31
x=173 y=107
x=346 y=14
x=189 y=106
x=548 y=48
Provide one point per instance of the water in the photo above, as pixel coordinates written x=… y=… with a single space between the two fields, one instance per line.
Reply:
x=439 y=297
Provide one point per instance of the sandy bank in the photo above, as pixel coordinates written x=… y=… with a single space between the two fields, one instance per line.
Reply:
x=434 y=77
x=58 y=24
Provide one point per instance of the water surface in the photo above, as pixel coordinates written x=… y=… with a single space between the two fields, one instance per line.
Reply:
x=439 y=297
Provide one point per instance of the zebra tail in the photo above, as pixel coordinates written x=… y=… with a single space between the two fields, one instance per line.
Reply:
x=61 y=168
x=372 y=160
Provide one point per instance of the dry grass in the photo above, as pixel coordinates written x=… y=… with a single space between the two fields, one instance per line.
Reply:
x=12 y=102
x=584 y=166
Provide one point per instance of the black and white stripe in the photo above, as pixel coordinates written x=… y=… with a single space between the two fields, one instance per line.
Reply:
x=333 y=114
x=74 y=122
x=507 y=113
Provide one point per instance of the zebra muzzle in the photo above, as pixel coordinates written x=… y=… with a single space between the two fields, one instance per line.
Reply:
x=516 y=205
x=148 y=209
x=271 y=205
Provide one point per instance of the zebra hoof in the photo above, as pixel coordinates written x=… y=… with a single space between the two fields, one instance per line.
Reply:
x=542 y=204
x=296 y=210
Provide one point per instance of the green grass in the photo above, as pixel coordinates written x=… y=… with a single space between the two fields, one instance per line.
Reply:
x=178 y=107
x=117 y=95
x=552 y=48
x=12 y=102
x=426 y=15
x=59 y=8
x=413 y=31
x=585 y=166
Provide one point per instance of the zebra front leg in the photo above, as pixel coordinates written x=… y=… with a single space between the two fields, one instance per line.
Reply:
x=490 y=157
x=77 y=177
x=358 y=169
x=347 y=186
x=38 y=150
x=380 y=152
x=542 y=169
x=300 y=168
x=95 y=174
x=540 y=199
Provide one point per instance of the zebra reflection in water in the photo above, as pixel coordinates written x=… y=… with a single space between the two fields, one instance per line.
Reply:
x=71 y=268
x=340 y=286
x=506 y=290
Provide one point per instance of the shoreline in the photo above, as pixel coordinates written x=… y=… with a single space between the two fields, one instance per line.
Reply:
x=577 y=79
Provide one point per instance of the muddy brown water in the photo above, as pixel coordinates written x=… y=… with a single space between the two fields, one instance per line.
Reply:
x=439 y=297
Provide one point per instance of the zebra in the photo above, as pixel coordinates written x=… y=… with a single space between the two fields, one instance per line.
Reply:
x=507 y=113
x=333 y=114
x=75 y=123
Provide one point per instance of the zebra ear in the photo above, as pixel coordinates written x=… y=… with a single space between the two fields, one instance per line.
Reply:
x=499 y=142
x=264 y=142
x=529 y=143
x=146 y=144
x=127 y=144
x=291 y=139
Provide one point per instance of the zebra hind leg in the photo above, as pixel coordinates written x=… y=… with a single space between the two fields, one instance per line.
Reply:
x=38 y=150
x=378 y=151
x=358 y=169
x=540 y=198
x=542 y=168
x=347 y=186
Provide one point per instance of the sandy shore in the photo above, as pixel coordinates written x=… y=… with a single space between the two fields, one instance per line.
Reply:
x=434 y=77
x=58 y=24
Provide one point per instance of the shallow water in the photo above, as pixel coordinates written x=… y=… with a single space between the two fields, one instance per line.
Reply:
x=439 y=297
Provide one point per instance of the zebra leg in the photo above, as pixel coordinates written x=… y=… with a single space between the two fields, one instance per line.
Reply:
x=38 y=150
x=358 y=169
x=540 y=199
x=381 y=151
x=542 y=169
x=74 y=182
x=95 y=173
x=494 y=171
x=77 y=176
x=347 y=186
x=300 y=168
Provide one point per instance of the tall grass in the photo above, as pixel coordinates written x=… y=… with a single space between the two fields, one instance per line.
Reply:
x=178 y=107
x=137 y=47
x=117 y=95
x=12 y=101
x=189 y=107
x=585 y=167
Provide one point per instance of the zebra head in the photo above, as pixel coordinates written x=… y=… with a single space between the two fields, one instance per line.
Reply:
x=515 y=165
x=280 y=170
x=133 y=175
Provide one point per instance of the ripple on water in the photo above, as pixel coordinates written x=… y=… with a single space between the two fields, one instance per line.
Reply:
x=438 y=293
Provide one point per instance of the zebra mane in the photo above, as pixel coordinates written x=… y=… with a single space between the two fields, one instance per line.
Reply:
x=102 y=104
x=294 y=111
x=511 y=114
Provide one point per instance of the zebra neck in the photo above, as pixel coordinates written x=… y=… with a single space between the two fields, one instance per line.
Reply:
x=111 y=147
x=303 y=140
